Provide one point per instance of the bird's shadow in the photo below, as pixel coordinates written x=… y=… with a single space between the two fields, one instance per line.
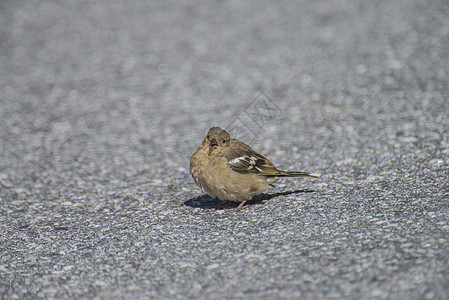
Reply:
x=207 y=202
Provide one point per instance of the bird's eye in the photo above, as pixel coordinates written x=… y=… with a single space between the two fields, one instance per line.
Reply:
x=207 y=136
x=224 y=141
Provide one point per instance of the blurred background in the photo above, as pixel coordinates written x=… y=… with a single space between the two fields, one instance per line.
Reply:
x=148 y=78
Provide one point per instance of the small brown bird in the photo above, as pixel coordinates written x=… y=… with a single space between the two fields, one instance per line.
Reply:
x=230 y=170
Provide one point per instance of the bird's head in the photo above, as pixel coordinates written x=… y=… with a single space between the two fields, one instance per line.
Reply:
x=217 y=139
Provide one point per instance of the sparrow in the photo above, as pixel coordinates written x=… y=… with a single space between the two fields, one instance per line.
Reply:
x=230 y=170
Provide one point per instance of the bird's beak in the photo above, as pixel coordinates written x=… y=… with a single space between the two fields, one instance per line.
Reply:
x=213 y=142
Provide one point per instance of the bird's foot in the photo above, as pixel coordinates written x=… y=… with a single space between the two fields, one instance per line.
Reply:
x=240 y=207
x=220 y=205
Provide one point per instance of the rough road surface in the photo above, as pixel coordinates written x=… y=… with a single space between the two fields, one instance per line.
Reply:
x=103 y=102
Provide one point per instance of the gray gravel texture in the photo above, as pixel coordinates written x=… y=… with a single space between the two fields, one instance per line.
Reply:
x=103 y=102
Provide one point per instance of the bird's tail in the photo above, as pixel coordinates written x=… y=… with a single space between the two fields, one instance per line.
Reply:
x=296 y=174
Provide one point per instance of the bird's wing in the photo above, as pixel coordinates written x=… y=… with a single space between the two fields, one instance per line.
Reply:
x=246 y=160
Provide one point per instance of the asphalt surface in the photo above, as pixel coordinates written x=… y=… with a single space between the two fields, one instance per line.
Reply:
x=102 y=103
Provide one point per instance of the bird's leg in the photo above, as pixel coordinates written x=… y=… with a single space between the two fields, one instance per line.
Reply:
x=220 y=205
x=240 y=207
